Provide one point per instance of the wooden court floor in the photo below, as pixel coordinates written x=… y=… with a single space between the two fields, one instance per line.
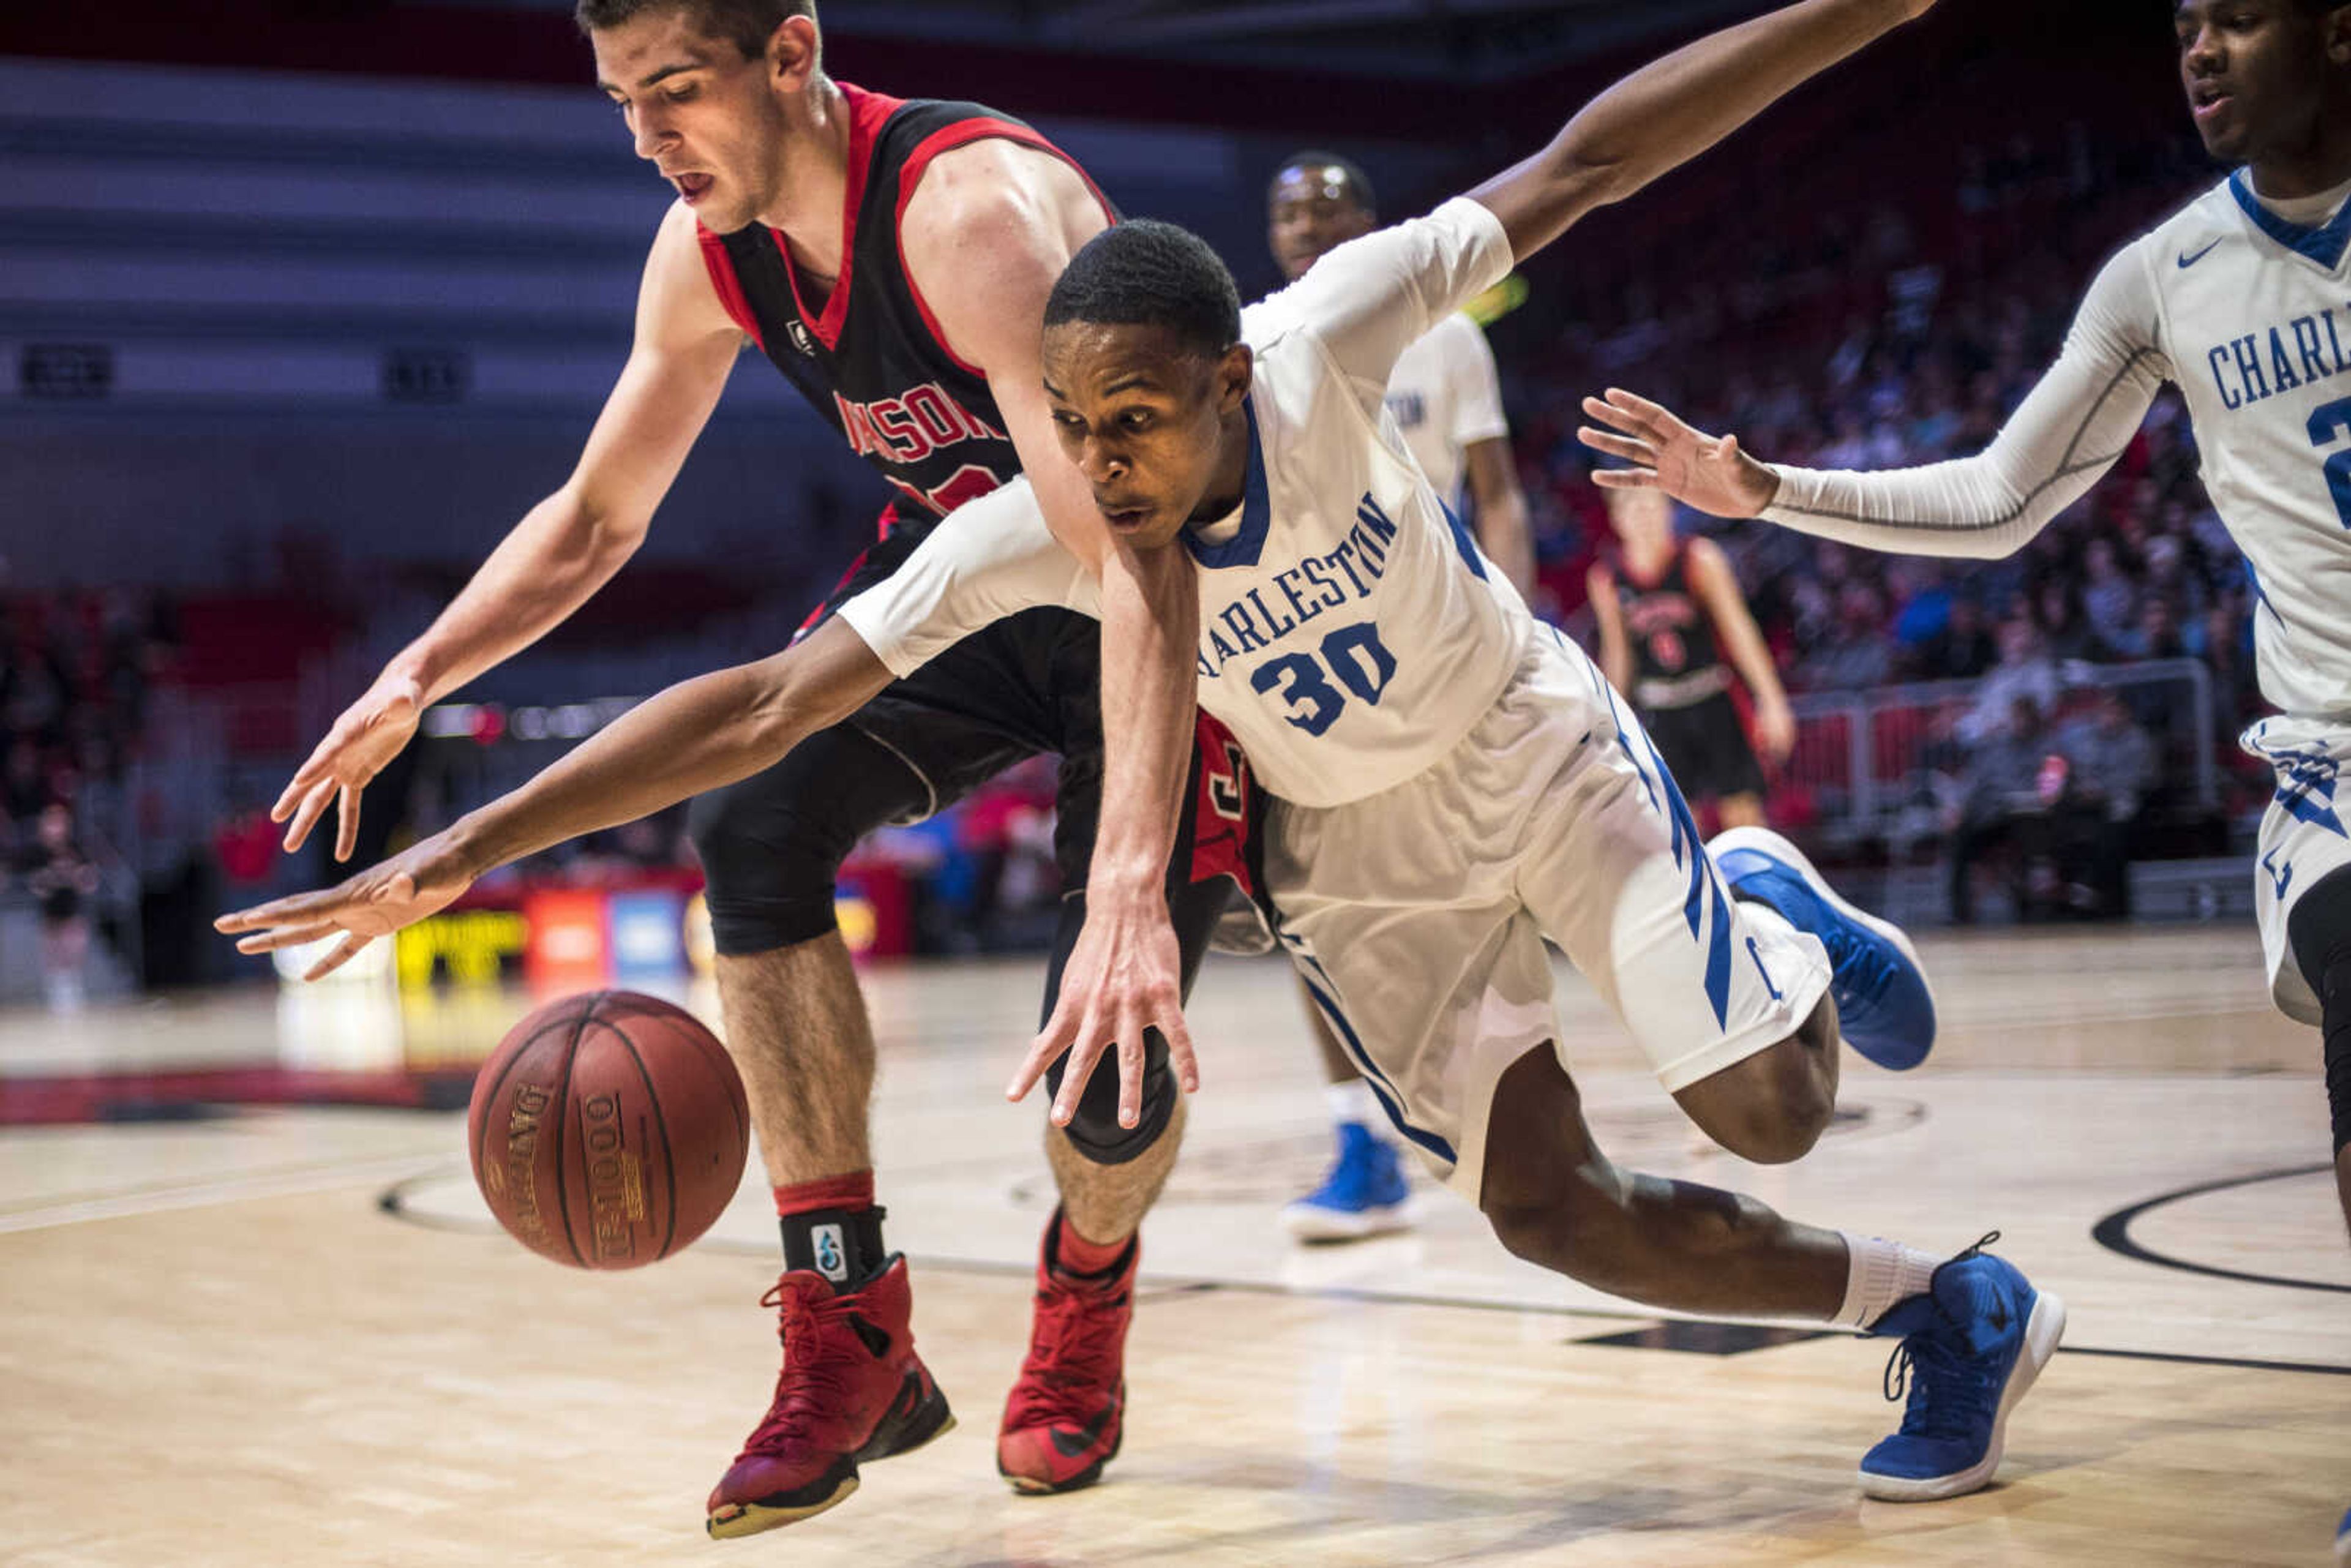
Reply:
x=290 y=1334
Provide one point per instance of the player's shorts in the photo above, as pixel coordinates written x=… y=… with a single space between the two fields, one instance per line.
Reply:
x=1417 y=915
x=2302 y=838
x=1027 y=685
x=1706 y=747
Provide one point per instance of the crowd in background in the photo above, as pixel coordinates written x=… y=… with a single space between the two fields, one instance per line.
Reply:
x=76 y=673
x=1899 y=326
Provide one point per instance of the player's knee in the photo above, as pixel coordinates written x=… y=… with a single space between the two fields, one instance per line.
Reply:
x=769 y=867
x=1094 y=1132
x=1769 y=1110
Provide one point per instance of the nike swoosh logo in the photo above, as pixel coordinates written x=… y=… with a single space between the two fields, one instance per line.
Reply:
x=1070 y=1445
x=2186 y=261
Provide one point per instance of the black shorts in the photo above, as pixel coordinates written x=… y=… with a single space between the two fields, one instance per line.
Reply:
x=1028 y=685
x=1706 y=748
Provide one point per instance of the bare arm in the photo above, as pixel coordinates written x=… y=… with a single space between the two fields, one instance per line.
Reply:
x=1669 y=112
x=1609 y=614
x=987 y=236
x=1503 y=532
x=565 y=548
x=692 y=738
x=1717 y=591
x=572 y=543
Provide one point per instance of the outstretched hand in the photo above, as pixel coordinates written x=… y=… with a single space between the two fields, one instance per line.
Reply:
x=1707 y=472
x=401 y=891
x=368 y=735
x=1122 y=977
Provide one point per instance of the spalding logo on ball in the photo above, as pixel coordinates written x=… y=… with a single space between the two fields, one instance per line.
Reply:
x=608 y=1130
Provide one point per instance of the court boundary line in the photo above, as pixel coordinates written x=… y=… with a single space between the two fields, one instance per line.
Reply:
x=393 y=1202
x=2113 y=1232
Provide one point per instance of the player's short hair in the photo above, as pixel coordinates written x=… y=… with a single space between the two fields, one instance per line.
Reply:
x=1359 y=185
x=746 y=24
x=1150 y=274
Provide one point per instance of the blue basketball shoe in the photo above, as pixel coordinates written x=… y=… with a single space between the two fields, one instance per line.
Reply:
x=1366 y=1193
x=1885 y=1007
x=2343 y=1539
x=1973 y=1343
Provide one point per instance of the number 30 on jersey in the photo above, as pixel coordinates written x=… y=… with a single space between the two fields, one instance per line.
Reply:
x=1353 y=655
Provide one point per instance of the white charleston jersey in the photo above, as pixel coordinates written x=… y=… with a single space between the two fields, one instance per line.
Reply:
x=1447 y=397
x=2250 y=315
x=1351 y=632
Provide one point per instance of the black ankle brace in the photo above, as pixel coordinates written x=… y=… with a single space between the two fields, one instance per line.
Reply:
x=841 y=1244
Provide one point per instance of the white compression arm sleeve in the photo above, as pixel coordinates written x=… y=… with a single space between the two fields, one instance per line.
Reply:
x=2057 y=444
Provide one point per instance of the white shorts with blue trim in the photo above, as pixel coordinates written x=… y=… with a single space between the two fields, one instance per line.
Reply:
x=1417 y=914
x=2302 y=838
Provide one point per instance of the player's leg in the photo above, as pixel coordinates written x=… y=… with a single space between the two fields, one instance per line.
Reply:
x=851 y=1387
x=1065 y=1416
x=1366 y=1192
x=1974 y=1332
x=2319 y=928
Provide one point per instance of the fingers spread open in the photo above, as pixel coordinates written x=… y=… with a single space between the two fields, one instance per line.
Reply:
x=285 y=937
x=344 y=951
x=314 y=806
x=1622 y=446
x=347 y=821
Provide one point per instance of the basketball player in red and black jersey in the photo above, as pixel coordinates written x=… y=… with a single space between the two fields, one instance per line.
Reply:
x=893 y=260
x=1670 y=611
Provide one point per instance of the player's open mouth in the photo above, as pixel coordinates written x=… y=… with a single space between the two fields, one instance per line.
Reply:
x=692 y=187
x=1125 y=520
x=2209 y=99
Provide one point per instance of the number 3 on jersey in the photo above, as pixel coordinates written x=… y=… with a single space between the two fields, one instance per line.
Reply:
x=1354 y=655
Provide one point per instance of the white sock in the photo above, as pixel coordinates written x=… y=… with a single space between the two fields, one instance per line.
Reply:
x=1879 y=1275
x=1353 y=1102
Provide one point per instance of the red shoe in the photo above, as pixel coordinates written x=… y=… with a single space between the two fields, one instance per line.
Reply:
x=851 y=1388
x=1066 y=1414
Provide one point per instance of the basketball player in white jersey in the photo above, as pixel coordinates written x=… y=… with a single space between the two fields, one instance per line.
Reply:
x=1447 y=399
x=1455 y=783
x=2239 y=300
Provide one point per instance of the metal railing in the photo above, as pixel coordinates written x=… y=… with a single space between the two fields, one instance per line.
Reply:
x=1867 y=757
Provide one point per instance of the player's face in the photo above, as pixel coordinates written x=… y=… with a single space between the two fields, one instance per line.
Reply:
x=1315 y=209
x=699 y=111
x=2256 y=74
x=1145 y=420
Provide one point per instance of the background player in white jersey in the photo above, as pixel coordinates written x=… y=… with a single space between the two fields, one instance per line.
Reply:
x=2239 y=300
x=1453 y=782
x=1445 y=398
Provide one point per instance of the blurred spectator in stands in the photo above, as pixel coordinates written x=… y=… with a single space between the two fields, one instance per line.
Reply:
x=2000 y=803
x=2109 y=598
x=62 y=880
x=1854 y=655
x=1962 y=651
x=2023 y=670
x=2065 y=632
x=2111 y=769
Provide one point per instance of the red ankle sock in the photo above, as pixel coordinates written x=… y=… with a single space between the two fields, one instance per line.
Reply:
x=853 y=1191
x=1078 y=1256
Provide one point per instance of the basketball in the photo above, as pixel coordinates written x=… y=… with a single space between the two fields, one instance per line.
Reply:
x=608 y=1130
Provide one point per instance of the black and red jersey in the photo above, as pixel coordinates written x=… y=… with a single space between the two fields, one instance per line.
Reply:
x=872 y=361
x=1675 y=655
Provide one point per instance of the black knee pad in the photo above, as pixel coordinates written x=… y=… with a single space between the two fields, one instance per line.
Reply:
x=1194 y=909
x=1094 y=1131
x=771 y=845
x=2320 y=933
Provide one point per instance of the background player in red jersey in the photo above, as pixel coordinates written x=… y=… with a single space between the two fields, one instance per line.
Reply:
x=894 y=260
x=1673 y=625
